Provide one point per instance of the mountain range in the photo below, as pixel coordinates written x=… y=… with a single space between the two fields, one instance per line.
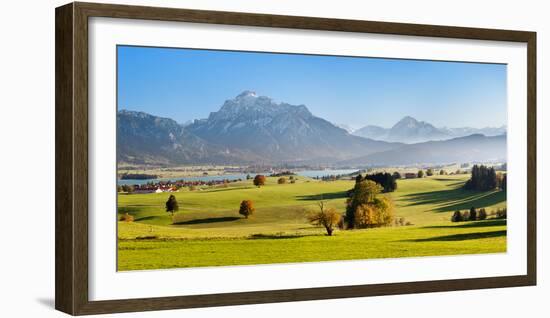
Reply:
x=472 y=148
x=146 y=139
x=410 y=130
x=252 y=129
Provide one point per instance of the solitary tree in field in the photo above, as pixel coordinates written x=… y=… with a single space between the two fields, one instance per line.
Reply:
x=442 y=172
x=326 y=217
x=420 y=174
x=247 y=208
x=281 y=180
x=172 y=205
x=429 y=172
x=473 y=214
x=259 y=180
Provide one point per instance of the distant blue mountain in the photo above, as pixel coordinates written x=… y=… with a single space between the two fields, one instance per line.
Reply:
x=409 y=130
x=247 y=129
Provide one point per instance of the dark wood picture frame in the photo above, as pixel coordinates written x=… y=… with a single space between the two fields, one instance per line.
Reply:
x=71 y=154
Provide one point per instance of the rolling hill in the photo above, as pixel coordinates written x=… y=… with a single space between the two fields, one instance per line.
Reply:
x=471 y=148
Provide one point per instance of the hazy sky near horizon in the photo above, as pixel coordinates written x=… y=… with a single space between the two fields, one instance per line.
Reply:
x=186 y=84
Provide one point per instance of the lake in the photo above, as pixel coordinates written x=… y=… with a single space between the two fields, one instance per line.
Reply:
x=304 y=173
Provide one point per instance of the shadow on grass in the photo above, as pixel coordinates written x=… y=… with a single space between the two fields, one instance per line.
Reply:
x=209 y=220
x=323 y=196
x=222 y=189
x=456 y=199
x=129 y=210
x=274 y=236
x=462 y=237
x=467 y=225
x=149 y=218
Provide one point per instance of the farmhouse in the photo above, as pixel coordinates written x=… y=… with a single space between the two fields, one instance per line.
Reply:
x=164 y=188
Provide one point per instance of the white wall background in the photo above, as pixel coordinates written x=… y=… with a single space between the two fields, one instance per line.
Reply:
x=27 y=143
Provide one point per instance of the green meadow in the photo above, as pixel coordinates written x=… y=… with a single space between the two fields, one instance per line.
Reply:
x=208 y=230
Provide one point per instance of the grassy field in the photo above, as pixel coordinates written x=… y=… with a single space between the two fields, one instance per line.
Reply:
x=210 y=232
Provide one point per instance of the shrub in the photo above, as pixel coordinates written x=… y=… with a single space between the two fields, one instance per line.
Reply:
x=127 y=217
x=247 y=208
x=281 y=180
x=457 y=217
x=482 y=214
x=429 y=172
x=420 y=174
x=400 y=221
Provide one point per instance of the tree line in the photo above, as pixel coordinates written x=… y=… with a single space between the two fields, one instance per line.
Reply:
x=477 y=215
x=384 y=179
x=485 y=179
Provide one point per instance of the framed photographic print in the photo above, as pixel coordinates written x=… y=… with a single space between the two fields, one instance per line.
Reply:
x=211 y=158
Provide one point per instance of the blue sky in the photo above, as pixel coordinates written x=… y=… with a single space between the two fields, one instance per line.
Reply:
x=185 y=84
